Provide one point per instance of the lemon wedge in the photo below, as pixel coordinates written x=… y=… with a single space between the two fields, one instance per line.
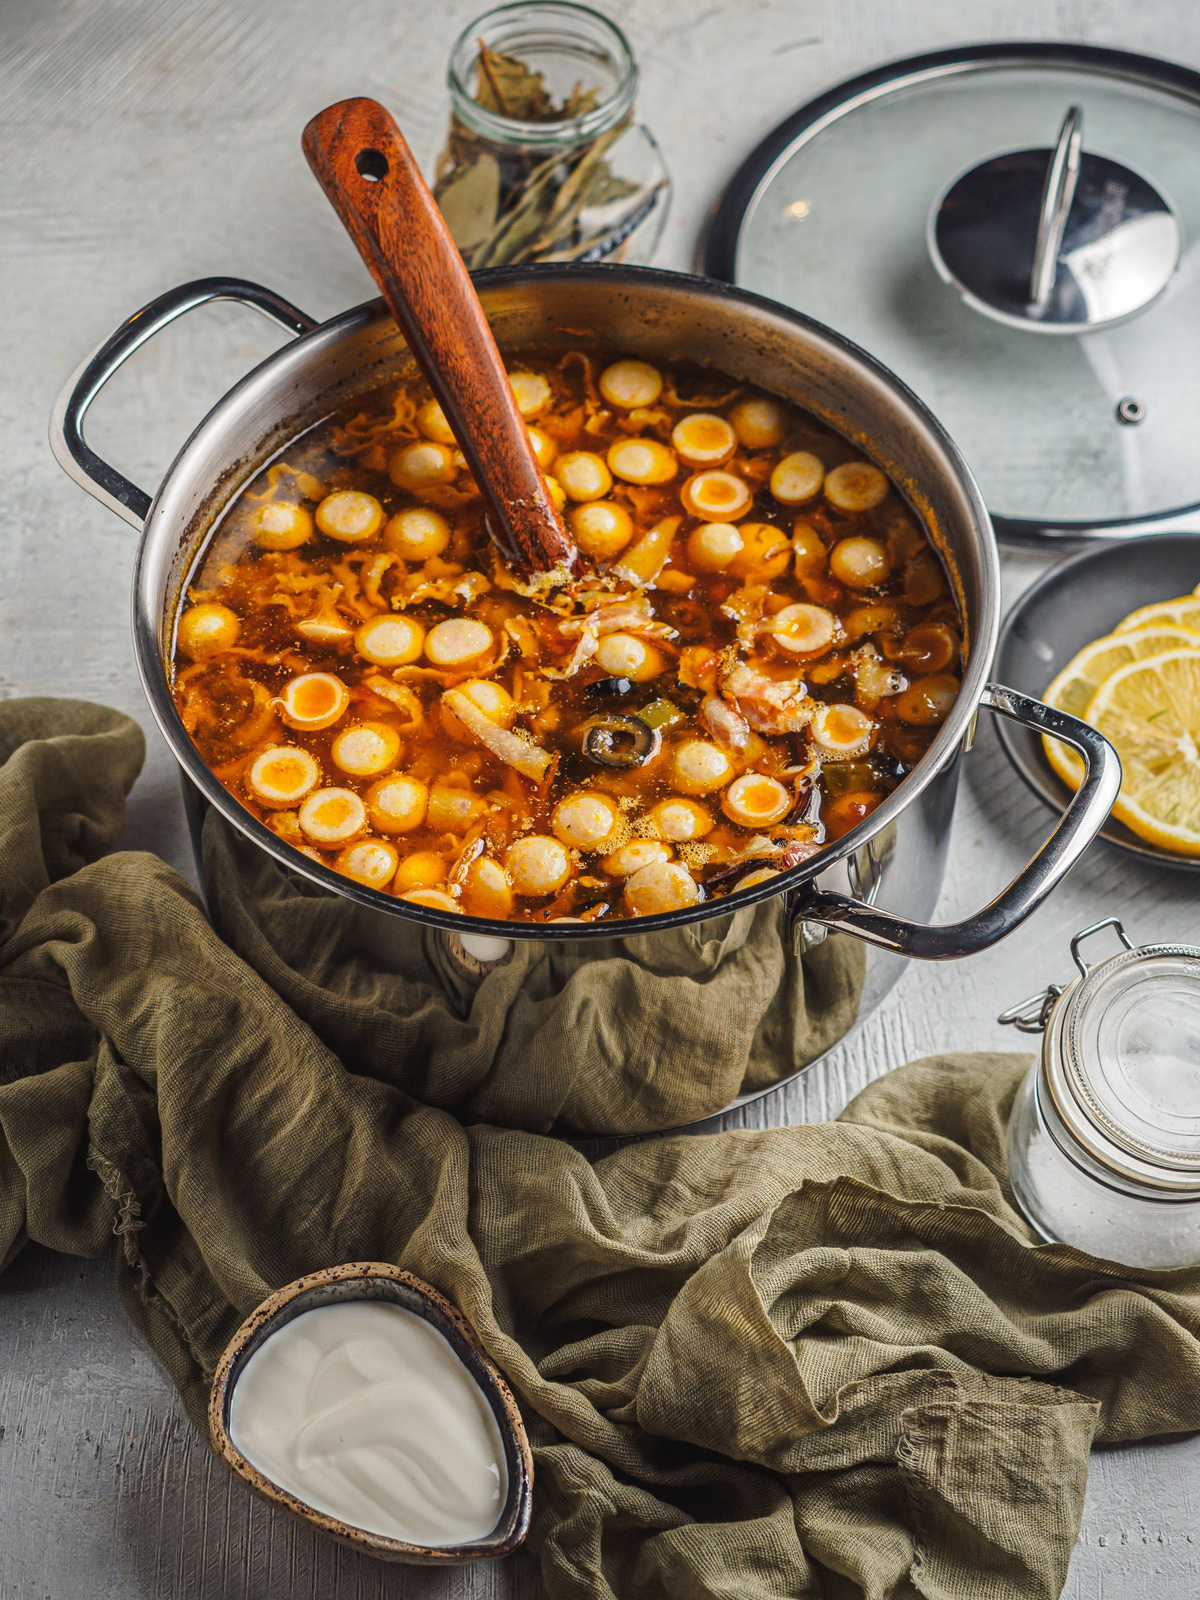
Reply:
x=1181 y=613
x=1078 y=681
x=1150 y=712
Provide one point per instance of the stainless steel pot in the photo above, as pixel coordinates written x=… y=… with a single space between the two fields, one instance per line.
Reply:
x=879 y=881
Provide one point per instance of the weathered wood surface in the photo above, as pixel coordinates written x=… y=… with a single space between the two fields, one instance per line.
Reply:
x=160 y=142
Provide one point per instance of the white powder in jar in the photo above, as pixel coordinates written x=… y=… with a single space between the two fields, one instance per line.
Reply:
x=1072 y=1201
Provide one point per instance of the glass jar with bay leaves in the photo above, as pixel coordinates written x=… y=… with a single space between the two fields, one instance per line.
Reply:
x=544 y=161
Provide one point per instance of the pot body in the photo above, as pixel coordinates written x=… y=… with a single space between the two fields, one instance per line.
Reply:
x=875 y=881
x=656 y=315
x=898 y=871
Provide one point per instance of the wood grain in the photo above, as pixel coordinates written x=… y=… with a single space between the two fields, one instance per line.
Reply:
x=363 y=163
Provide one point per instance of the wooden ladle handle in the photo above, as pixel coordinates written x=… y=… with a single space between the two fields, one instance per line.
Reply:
x=367 y=170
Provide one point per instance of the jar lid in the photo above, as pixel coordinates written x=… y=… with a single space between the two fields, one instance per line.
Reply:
x=1124 y=1065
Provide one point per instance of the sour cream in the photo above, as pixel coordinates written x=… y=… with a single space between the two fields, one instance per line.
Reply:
x=364 y=1411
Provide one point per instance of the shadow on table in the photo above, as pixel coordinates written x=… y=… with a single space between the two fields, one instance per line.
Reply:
x=107 y=1489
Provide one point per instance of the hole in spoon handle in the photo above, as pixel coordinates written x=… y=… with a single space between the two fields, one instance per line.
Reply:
x=371 y=165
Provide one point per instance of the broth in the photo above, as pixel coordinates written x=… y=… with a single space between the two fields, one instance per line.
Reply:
x=759 y=644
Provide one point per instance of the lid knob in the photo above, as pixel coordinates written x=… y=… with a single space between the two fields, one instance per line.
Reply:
x=1055 y=240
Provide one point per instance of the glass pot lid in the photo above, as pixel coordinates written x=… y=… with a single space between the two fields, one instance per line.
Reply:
x=837 y=214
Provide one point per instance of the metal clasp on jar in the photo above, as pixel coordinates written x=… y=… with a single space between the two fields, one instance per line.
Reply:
x=1033 y=1014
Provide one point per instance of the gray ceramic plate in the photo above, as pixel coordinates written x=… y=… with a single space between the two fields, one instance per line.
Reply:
x=1073 y=603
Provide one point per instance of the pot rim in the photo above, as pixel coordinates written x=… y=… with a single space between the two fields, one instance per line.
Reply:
x=954 y=732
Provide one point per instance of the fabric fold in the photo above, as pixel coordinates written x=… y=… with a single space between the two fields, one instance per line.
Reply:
x=636 y=1034
x=822 y=1360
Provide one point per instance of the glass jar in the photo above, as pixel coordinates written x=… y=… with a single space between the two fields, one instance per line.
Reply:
x=543 y=161
x=1104 y=1138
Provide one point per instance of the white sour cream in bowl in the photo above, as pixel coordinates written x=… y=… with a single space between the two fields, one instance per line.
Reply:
x=365 y=1412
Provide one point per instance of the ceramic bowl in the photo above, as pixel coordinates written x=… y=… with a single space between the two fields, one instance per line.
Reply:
x=375 y=1280
x=1072 y=604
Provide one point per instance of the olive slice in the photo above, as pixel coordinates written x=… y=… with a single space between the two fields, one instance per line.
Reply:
x=807 y=805
x=892 y=767
x=616 y=741
x=607 y=686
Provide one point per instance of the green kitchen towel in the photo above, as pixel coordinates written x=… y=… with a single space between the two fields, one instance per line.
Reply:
x=637 y=1033
x=826 y=1360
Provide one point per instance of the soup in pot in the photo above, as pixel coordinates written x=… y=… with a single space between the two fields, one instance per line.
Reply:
x=758 y=644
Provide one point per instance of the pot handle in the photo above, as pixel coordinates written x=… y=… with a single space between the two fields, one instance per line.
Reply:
x=105 y=483
x=1080 y=823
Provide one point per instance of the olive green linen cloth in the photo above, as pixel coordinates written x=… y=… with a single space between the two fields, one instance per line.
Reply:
x=812 y=1361
x=634 y=1035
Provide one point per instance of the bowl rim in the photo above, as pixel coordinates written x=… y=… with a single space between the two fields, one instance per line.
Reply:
x=513 y=1523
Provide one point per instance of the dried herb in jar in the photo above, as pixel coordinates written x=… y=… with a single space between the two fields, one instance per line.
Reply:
x=510 y=200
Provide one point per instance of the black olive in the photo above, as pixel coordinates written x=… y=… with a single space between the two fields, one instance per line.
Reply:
x=892 y=767
x=607 y=686
x=803 y=809
x=612 y=740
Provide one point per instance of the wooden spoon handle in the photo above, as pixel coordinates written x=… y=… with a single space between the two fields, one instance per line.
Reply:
x=361 y=160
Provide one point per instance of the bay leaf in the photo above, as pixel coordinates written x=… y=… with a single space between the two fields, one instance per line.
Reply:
x=597 y=247
x=518 y=231
x=579 y=102
x=502 y=203
x=581 y=177
x=526 y=207
x=508 y=87
x=607 y=187
x=469 y=200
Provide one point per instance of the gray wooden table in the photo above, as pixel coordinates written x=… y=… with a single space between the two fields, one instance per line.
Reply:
x=147 y=142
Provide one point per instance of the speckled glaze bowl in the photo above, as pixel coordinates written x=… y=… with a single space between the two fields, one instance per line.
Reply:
x=377 y=1280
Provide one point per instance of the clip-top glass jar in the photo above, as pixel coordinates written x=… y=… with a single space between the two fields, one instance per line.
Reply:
x=1104 y=1139
x=544 y=161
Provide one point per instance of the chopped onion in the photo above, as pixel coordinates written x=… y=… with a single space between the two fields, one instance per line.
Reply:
x=527 y=759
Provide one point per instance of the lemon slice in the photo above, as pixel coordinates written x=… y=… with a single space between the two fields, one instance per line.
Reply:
x=1078 y=681
x=1150 y=711
x=1181 y=613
